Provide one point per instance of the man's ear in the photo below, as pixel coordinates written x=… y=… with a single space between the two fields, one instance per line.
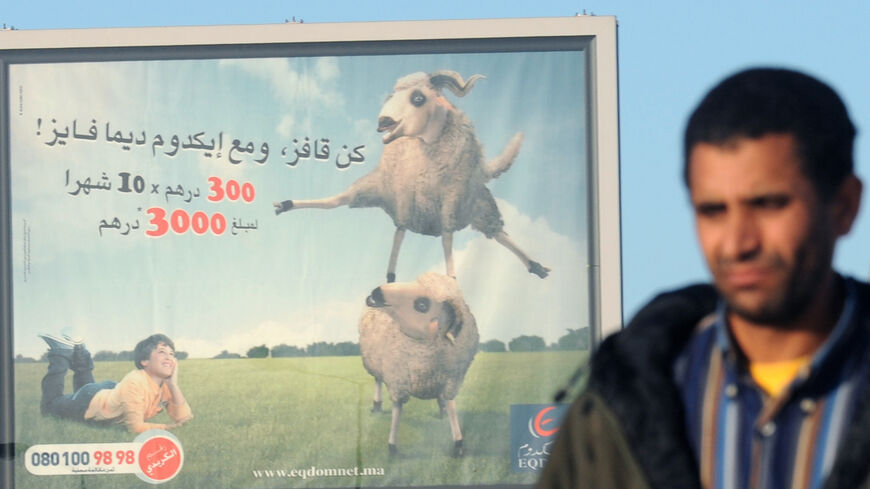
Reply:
x=845 y=203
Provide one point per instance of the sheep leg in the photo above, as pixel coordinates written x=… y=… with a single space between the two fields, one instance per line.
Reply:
x=376 y=402
x=447 y=243
x=394 y=428
x=341 y=199
x=531 y=265
x=394 y=254
x=454 y=428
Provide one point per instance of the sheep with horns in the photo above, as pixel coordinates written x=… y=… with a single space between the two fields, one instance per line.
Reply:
x=432 y=176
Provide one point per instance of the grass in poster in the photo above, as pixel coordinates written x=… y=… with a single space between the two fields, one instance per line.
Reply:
x=273 y=414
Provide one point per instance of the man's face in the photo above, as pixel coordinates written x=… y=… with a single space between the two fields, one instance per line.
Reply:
x=766 y=235
x=161 y=361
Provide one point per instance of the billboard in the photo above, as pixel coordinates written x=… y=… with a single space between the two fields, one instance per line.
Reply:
x=367 y=246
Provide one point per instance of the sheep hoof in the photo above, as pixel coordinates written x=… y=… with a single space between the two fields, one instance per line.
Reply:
x=283 y=206
x=458 y=451
x=376 y=406
x=393 y=450
x=391 y=277
x=538 y=269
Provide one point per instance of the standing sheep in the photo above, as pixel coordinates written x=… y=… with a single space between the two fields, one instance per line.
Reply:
x=432 y=176
x=419 y=338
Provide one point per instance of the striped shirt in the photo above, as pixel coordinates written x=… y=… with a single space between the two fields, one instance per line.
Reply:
x=741 y=437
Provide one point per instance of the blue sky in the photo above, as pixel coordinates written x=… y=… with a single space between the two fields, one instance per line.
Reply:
x=670 y=53
x=300 y=277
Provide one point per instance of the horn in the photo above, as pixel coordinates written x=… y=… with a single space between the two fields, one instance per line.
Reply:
x=453 y=80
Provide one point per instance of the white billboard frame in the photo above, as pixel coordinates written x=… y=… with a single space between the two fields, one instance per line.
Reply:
x=599 y=34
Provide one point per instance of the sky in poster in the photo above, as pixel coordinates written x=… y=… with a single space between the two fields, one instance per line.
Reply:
x=300 y=277
x=670 y=52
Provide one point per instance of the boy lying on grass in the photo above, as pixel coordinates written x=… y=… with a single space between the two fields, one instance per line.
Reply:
x=139 y=396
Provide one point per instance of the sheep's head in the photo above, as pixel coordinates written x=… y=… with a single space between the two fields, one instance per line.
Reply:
x=424 y=310
x=417 y=107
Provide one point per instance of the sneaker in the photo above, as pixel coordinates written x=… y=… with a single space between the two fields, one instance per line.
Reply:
x=63 y=342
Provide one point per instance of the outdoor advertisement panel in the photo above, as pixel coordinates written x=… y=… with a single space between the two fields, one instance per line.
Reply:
x=372 y=261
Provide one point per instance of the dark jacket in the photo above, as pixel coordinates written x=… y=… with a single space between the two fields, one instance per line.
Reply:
x=626 y=429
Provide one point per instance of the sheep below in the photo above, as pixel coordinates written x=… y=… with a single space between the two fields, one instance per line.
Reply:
x=419 y=339
x=432 y=176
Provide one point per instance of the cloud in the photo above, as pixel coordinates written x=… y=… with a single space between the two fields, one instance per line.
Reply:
x=289 y=126
x=306 y=86
x=326 y=69
x=506 y=299
x=54 y=98
x=333 y=322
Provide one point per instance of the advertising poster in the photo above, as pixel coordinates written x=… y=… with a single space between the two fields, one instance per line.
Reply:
x=247 y=209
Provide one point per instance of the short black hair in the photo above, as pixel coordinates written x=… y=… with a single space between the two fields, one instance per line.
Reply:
x=761 y=101
x=144 y=348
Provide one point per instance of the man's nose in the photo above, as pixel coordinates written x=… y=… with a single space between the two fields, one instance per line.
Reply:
x=742 y=236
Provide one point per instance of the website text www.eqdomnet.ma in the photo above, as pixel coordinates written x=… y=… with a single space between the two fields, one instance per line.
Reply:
x=314 y=472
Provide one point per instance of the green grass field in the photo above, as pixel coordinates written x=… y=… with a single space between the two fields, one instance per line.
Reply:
x=295 y=413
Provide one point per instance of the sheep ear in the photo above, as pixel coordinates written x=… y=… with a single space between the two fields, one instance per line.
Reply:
x=452 y=318
x=436 y=122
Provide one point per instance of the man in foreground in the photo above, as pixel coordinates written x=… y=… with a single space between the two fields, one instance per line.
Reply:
x=763 y=381
x=139 y=396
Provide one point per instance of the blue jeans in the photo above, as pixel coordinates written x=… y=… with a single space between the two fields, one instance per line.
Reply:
x=72 y=406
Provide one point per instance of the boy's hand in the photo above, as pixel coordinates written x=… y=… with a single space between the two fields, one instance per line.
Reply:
x=178 y=423
x=173 y=378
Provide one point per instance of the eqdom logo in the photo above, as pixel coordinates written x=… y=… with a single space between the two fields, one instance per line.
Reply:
x=533 y=431
x=544 y=424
